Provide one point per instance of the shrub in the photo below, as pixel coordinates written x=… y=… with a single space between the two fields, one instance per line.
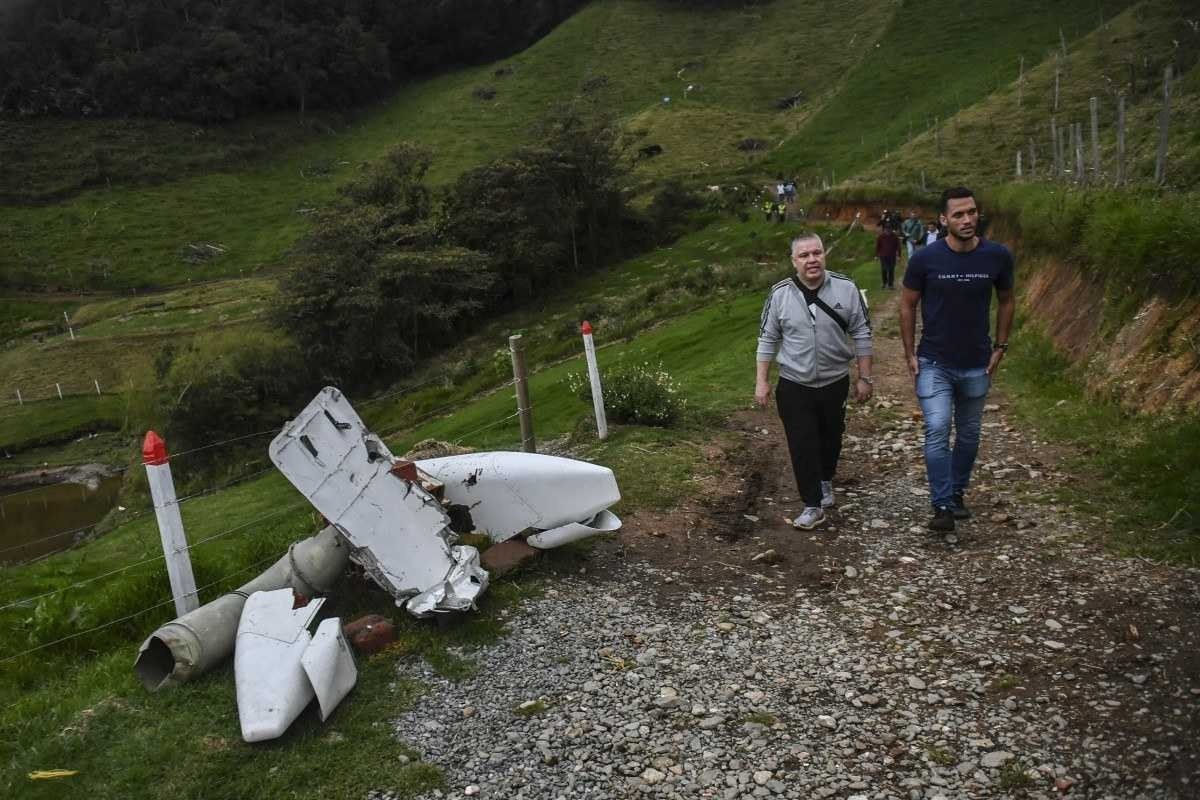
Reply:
x=232 y=384
x=635 y=394
x=701 y=280
x=1128 y=238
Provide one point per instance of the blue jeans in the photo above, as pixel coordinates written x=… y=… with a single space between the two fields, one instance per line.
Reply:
x=948 y=394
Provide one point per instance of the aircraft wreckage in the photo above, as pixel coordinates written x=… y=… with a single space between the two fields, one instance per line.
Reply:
x=399 y=521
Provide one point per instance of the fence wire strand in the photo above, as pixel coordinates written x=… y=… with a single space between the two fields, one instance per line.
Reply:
x=135 y=614
x=151 y=560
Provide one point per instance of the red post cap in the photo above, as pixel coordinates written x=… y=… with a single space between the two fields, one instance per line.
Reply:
x=154 y=450
x=586 y=327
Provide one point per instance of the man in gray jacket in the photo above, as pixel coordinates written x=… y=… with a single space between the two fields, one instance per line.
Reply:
x=813 y=324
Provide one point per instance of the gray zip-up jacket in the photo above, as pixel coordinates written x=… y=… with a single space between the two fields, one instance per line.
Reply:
x=809 y=345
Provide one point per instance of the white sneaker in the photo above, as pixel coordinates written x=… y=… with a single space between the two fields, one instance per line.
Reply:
x=827 y=500
x=809 y=518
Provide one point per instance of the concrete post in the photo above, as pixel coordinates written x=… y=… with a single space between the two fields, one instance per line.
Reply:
x=589 y=350
x=170 y=523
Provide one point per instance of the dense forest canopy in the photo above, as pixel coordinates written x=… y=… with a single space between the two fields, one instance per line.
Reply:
x=211 y=60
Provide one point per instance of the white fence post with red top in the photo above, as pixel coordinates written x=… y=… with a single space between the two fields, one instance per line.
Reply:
x=589 y=349
x=170 y=523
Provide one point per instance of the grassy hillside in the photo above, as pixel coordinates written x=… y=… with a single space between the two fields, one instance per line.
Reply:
x=633 y=53
x=1148 y=36
x=932 y=61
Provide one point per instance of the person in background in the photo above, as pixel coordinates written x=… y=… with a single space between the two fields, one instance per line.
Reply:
x=931 y=233
x=887 y=248
x=813 y=323
x=914 y=233
x=953 y=280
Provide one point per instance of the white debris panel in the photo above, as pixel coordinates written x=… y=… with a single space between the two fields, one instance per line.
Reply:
x=399 y=532
x=279 y=666
x=526 y=493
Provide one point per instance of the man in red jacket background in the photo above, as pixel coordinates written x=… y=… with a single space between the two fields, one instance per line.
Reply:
x=887 y=248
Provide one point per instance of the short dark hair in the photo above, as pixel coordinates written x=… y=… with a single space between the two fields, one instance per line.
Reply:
x=954 y=193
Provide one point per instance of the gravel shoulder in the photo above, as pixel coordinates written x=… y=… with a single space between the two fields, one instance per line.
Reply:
x=715 y=652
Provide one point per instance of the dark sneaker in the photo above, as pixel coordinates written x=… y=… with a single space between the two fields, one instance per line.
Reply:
x=943 y=520
x=960 y=508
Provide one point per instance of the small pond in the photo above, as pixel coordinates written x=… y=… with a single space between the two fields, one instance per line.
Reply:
x=45 y=519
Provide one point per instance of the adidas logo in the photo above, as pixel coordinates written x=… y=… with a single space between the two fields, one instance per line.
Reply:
x=837 y=305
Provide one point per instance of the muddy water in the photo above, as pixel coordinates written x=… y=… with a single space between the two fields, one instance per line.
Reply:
x=50 y=518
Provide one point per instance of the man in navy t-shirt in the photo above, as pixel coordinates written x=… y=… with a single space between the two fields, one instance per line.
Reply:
x=953 y=279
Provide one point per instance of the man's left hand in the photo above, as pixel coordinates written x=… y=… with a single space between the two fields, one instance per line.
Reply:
x=994 y=363
x=863 y=391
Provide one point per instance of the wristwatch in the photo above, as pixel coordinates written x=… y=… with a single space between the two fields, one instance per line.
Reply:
x=1000 y=346
x=867 y=379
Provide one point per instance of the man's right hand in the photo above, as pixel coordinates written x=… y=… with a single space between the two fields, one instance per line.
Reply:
x=914 y=365
x=762 y=393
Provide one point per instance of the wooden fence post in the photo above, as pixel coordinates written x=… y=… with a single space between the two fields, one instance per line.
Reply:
x=1164 y=122
x=1080 y=170
x=1056 y=74
x=1094 y=107
x=1120 y=140
x=1055 y=169
x=516 y=348
x=1020 y=81
x=1018 y=163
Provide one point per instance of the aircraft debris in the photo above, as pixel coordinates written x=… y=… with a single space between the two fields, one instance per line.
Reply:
x=279 y=666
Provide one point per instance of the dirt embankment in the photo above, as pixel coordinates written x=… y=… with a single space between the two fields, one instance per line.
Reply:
x=868 y=214
x=1150 y=364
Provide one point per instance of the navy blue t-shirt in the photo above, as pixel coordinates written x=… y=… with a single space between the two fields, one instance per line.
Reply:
x=956 y=298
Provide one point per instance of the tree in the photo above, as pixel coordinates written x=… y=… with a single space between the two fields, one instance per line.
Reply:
x=376 y=287
x=544 y=212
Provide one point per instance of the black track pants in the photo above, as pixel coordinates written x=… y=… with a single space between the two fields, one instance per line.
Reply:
x=814 y=420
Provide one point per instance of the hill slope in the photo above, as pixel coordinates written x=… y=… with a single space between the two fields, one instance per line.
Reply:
x=1124 y=57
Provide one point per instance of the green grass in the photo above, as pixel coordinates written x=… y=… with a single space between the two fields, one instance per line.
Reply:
x=43 y=159
x=31 y=315
x=931 y=62
x=48 y=421
x=1014 y=775
x=94 y=717
x=992 y=129
x=1139 y=472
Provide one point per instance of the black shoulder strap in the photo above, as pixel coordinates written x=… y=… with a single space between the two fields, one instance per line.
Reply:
x=821 y=304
